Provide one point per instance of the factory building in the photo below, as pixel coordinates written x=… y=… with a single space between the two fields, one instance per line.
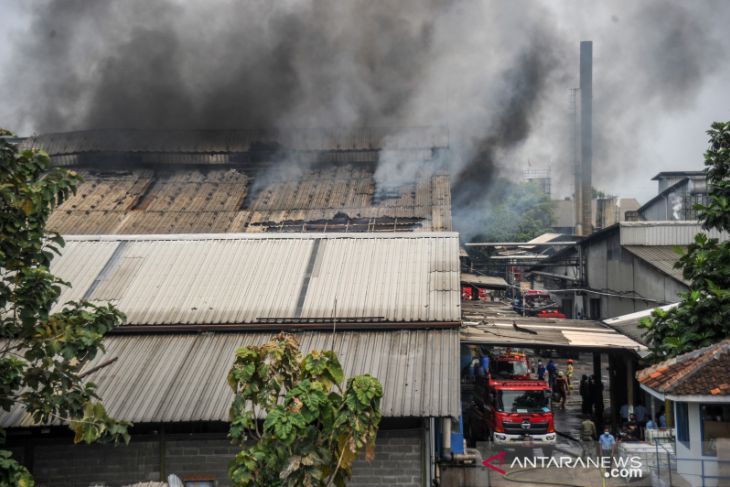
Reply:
x=212 y=240
x=622 y=269
x=387 y=304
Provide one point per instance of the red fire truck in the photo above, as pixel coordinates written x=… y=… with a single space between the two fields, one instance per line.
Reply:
x=512 y=413
x=510 y=365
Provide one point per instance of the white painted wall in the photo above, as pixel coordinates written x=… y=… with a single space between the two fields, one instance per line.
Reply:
x=690 y=462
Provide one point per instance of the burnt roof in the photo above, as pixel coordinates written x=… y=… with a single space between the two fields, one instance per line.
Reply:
x=213 y=181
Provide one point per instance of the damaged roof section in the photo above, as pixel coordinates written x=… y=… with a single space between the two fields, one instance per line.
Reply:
x=497 y=324
x=152 y=182
x=236 y=141
x=268 y=280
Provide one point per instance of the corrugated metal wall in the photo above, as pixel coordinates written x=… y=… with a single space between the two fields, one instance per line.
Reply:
x=664 y=233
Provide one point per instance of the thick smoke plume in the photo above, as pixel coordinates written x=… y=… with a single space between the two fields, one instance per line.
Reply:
x=496 y=74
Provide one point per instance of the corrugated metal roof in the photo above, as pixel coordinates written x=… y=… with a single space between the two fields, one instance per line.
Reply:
x=662 y=257
x=219 y=200
x=182 y=378
x=498 y=324
x=492 y=282
x=629 y=324
x=545 y=237
x=253 y=278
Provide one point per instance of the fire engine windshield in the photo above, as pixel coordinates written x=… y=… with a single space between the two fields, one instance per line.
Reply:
x=522 y=401
x=511 y=368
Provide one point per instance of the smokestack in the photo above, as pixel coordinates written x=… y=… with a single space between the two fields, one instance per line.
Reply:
x=586 y=133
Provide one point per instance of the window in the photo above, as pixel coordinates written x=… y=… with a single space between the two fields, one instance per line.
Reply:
x=510 y=368
x=682 y=420
x=715 y=424
x=523 y=401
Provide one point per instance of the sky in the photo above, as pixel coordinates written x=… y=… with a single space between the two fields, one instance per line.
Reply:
x=497 y=74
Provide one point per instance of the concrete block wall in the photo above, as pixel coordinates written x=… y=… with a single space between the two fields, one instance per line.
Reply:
x=66 y=465
x=194 y=456
x=399 y=461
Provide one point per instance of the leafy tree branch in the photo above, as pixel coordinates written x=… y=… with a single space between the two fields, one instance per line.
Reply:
x=313 y=428
x=42 y=353
x=703 y=315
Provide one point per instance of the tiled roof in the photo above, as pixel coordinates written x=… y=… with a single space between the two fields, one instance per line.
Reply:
x=703 y=372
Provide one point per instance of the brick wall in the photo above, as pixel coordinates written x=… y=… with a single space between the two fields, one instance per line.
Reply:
x=398 y=461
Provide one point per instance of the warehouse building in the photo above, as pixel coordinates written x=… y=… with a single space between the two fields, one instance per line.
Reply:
x=678 y=193
x=388 y=304
x=622 y=269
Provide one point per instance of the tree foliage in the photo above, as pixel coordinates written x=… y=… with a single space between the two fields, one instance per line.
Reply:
x=313 y=429
x=42 y=353
x=517 y=212
x=703 y=315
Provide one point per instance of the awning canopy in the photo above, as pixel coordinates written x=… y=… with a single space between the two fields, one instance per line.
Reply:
x=489 y=282
x=497 y=324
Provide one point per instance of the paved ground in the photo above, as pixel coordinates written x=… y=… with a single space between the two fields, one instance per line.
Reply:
x=567 y=423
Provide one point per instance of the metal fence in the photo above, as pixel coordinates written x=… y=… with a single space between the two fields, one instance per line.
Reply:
x=666 y=469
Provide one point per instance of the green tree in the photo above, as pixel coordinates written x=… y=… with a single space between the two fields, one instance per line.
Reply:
x=42 y=353
x=313 y=429
x=517 y=212
x=703 y=315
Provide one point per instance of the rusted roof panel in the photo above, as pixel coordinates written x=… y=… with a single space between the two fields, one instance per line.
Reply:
x=217 y=200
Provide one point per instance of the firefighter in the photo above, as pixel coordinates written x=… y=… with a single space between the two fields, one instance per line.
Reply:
x=569 y=373
x=561 y=388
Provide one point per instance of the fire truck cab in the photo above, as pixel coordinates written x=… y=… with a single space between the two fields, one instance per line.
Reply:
x=532 y=301
x=512 y=413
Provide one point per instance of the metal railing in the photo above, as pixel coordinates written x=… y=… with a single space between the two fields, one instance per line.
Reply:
x=666 y=469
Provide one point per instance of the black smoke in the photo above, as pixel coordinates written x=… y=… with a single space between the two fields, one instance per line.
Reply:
x=496 y=73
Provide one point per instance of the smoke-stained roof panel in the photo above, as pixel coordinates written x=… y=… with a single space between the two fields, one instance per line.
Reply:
x=229 y=199
x=231 y=141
